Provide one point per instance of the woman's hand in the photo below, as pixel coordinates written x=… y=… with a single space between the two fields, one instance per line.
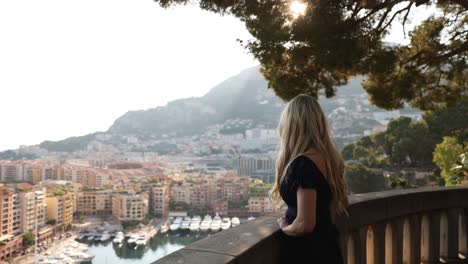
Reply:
x=282 y=222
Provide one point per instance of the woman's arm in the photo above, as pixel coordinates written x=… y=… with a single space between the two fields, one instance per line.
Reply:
x=306 y=215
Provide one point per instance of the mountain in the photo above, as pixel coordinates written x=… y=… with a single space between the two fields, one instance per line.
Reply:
x=240 y=102
x=243 y=96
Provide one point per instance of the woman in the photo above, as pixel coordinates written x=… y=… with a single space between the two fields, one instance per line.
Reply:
x=309 y=179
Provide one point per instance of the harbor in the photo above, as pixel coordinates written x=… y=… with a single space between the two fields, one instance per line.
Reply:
x=104 y=242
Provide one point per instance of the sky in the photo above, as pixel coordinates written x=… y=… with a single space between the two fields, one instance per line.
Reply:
x=69 y=68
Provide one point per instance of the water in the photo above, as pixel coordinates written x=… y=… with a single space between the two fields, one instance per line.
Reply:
x=160 y=246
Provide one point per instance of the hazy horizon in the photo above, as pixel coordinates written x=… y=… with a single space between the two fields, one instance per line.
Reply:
x=72 y=68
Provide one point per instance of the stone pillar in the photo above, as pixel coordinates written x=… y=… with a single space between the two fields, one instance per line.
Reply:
x=344 y=239
x=394 y=245
x=430 y=238
x=463 y=232
x=358 y=238
x=413 y=252
x=452 y=235
x=376 y=252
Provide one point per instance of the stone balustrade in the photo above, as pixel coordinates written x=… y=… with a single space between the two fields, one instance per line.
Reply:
x=423 y=225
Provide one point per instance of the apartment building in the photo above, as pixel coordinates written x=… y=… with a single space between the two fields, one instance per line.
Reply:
x=255 y=166
x=158 y=196
x=94 y=201
x=180 y=193
x=33 y=173
x=11 y=171
x=232 y=190
x=130 y=206
x=261 y=205
x=16 y=214
x=7 y=205
x=33 y=209
x=60 y=208
x=52 y=172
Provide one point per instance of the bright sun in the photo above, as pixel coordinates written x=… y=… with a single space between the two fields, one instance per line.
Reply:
x=297 y=8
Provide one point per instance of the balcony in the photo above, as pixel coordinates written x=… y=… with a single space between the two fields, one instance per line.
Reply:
x=424 y=225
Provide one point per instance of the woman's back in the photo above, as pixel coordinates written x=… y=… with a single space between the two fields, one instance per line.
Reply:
x=322 y=244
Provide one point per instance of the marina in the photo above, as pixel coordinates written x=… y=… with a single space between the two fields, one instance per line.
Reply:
x=144 y=244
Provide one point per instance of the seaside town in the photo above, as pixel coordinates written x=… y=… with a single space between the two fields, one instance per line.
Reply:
x=129 y=188
x=51 y=199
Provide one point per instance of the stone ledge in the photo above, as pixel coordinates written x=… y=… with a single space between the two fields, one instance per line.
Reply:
x=258 y=241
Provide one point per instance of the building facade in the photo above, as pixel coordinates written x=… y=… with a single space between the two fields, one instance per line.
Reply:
x=94 y=201
x=60 y=208
x=33 y=209
x=130 y=206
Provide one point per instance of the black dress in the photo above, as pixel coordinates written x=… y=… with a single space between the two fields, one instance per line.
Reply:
x=322 y=245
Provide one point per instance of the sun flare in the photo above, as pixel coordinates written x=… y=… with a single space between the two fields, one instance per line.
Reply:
x=297 y=8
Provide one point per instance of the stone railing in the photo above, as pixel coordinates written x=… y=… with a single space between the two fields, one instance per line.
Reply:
x=424 y=225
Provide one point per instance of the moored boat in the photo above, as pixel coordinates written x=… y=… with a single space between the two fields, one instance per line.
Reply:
x=235 y=221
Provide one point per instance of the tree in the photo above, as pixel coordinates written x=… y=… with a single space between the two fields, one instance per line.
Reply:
x=448 y=121
x=361 y=179
x=28 y=239
x=331 y=41
x=348 y=151
x=460 y=168
x=446 y=154
x=408 y=143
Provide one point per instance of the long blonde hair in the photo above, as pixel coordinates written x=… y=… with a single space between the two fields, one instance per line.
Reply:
x=303 y=130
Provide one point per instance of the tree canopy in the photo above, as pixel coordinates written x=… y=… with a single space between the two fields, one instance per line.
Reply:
x=361 y=179
x=408 y=143
x=446 y=154
x=334 y=40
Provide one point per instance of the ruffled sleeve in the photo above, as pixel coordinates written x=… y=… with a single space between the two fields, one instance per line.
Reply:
x=303 y=173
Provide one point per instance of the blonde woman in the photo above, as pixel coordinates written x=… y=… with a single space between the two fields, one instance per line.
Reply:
x=309 y=179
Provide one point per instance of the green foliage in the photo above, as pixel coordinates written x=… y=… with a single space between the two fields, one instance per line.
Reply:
x=449 y=121
x=348 y=152
x=28 y=239
x=129 y=225
x=178 y=206
x=361 y=179
x=337 y=39
x=260 y=190
x=13 y=155
x=51 y=222
x=69 y=144
x=460 y=168
x=241 y=204
x=411 y=143
x=446 y=154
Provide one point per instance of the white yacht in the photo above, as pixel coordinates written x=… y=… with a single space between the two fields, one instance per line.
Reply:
x=216 y=224
x=186 y=223
x=105 y=236
x=195 y=225
x=119 y=238
x=164 y=228
x=174 y=226
x=133 y=238
x=250 y=218
x=235 y=221
x=226 y=223
x=205 y=224
x=80 y=257
x=141 y=241
x=178 y=220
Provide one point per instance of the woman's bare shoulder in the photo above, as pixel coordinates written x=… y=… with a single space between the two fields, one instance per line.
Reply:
x=318 y=160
